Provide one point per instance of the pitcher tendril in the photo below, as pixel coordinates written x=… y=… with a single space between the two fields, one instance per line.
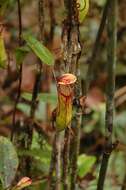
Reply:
x=83 y=7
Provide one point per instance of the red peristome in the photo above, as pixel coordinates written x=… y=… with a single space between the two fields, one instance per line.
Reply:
x=25 y=181
x=67 y=79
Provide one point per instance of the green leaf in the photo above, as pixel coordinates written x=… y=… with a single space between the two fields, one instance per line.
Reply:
x=85 y=164
x=20 y=54
x=44 y=97
x=8 y=162
x=27 y=96
x=24 y=108
x=48 y=97
x=39 y=49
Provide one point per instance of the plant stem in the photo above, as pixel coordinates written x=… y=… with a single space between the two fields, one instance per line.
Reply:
x=103 y=169
x=66 y=159
x=75 y=145
x=35 y=92
x=20 y=22
x=112 y=40
x=52 y=165
x=76 y=127
x=123 y=186
x=95 y=51
x=58 y=160
x=73 y=51
x=124 y=183
x=20 y=70
x=37 y=84
x=36 y=89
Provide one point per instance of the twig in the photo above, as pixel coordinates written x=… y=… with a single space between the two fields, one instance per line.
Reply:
x=52 y=165
x=20 y=22
x=66 y=159
x=37 y=84
x=36 y=90
x=75 y=142
x=20 y=70
x=58 y=160
x=112 y=40
x=75 y=145
x=91 y=61
x=124 y=183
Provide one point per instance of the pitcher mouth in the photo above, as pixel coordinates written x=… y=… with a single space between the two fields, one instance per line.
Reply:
x=67 y=79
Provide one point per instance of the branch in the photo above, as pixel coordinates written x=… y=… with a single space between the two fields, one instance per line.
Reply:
x=112 y=40
x=20 y=70
x=52 y=165
x=37 y=84
x=124 y=183
x=58 y=160
x=75 y=145
x=91 y=61
x=36 y=89
x=66 y=159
